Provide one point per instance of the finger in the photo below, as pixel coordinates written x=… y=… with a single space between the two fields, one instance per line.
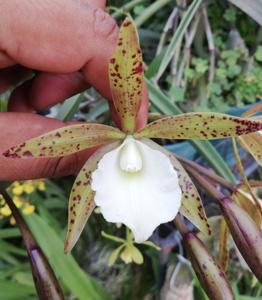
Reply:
x=58 y=36
x=45 y=90
x=12 y=76
x=5 y=60
x=97 y=3
x=22 y=126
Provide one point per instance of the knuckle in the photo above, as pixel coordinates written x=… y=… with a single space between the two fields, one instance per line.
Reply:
x=104 y=24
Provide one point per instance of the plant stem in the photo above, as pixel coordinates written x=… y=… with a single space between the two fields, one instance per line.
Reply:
x=206 y=185
x=180 y=224
x=220 y=180
x=126 y=8
x=147 y=13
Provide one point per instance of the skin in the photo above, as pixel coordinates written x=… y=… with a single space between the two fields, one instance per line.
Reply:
x=68 y=44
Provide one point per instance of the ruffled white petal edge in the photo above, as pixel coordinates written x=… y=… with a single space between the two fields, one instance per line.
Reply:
x=141 y=200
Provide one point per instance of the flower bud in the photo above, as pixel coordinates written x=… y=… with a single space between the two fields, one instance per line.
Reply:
x=209 y=273
x=246 y=234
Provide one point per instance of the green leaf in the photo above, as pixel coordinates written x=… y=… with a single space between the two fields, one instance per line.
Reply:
x=258 y=54
x=188 y=16
x=68 y=108
x=96 y=111
x=15 y=291
x=81 y=202
x=202 y=126
x=6 y=233
x=66 y=140
x=192 y=206
x=81 y=284
x=126 y=76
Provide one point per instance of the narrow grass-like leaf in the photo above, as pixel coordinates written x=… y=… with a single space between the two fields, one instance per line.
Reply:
x=192 y=207
x=188 y=16
x=69 y=107
x=126 y=76
x=203 y=126
x=81 y=202
x=65 y=141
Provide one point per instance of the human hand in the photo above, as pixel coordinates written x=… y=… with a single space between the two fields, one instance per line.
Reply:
x=69 y=44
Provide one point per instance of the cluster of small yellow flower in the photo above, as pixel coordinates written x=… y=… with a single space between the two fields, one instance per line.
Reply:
x=20 y=192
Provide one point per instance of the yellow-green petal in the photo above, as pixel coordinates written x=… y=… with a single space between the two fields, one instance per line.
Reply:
x=65 y=141
x=203 y=126
x=81 y=202
x=253 y=144
x=126 y=76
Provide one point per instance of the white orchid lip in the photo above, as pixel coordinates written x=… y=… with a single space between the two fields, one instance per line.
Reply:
x=137 y=186
x=130 y=159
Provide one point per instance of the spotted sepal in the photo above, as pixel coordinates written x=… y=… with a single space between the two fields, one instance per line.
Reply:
x=253 y=143
x=202 y=126
x=65 y=141
x=126 y=76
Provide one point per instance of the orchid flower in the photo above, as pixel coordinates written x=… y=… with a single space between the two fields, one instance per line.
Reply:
x=133 y=180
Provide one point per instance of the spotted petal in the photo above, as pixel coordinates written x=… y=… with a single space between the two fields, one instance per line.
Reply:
x=203 y=126
x=126 y=76
x=66 y=140
x=253 y=144
x=81 y=202
x=192 y=207
x=139 y=199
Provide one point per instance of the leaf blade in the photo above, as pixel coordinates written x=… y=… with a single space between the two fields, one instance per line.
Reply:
x=126 y=76
x=65 y=141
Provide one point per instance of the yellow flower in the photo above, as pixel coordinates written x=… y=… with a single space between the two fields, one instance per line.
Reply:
x=29 y=187
x=17 y=201
x=5 y=211
x=12 y=221
x=28 y=209
x=17 y=189
x=41 y=185
x=2 y=200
